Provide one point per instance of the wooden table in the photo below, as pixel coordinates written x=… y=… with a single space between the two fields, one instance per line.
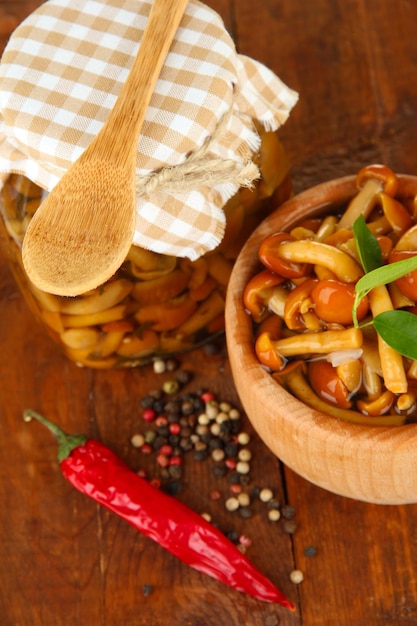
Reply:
x=66 y=561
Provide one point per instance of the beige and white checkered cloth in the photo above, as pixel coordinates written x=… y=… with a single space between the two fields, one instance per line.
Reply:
x=60 y=75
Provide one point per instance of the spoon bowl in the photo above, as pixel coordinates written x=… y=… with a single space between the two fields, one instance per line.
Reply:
x=82 y=232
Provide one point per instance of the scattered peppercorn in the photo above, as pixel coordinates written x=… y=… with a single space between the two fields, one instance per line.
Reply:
x=147 y=590
x=159 y=366
x=137 y=440
x=265 y=495
x=232 y=504
x=310 y=551
x=288 y=511
x=274 y=515
x=171 y=386
x=296 y=576
x=289 y=527
x=196 y=422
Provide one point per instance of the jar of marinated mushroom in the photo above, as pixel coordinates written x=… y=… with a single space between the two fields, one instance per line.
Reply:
x=210 y=167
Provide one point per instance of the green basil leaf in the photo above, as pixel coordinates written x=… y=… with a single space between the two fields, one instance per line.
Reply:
x=385 y=274
x=399 y=330
x=367 y=244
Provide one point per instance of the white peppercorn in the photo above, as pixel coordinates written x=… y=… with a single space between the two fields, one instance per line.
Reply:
x=296 y=576
x=242 y=438
x=137 y=440
x=242 y=467
x=265 y=495
x=243 y=499
x=244 y=454
x=232 y=504
x=159 y=366
x=274 y=515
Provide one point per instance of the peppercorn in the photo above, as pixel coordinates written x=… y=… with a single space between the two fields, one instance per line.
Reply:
x=232 y=504
x=288 y=511
x=200 y=455
x=150 y=436
x=212 y=409
x=183 y=377
x=310 y=551
x=245 y=512
x=244 y=499
x=273 y=504
x=171 y=365
x=158 y=406
x=219 y=471
x=242 y=467
x=149 y=414
x=159 y=366
x=173 y=488
x=234 y=478
x=162 y=460
x=147 y=590
x=244 y=455
x=170 y=387
x=137 y=440
x=147 y=402
x=215 y=494
x=233 y=536
x=217 y=455
x=296 y=576
x=163 y=431
x=245 y=541
x=234 y=414
x=230 y=464
x=161 y=420
x=187 y=407
x=274 y=515
x=242 y=438
x=289 y=527
x=159 y=441
x=265 y=495
x=174 y=440
x=215 y=443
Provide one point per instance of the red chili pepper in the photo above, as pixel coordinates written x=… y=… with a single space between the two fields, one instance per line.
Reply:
x=97 y=472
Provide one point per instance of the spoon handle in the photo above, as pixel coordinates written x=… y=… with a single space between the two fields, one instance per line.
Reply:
x=124 y=123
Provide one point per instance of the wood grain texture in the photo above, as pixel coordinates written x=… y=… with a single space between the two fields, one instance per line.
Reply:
x=64 y=561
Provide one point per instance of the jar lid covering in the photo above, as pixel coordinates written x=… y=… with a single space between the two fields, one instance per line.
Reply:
x=60 y=75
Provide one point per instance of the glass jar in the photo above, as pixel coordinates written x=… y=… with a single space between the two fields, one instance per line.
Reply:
x=155 y=305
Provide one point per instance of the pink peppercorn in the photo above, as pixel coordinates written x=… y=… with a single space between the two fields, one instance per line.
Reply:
x=175 y=460
x=166 y=449
x=161 y=420
x=149 y=415
x=155 y=482
x=215 y=494
x=235 y=488
x=245 y=541
x=230 y=463
x=175 y=428
x=162 y=460
x=146 y=448
x=207 y=396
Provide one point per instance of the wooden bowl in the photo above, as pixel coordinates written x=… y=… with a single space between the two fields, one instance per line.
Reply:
x=370 y=463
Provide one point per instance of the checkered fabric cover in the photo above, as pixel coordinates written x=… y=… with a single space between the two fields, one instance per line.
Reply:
x=60 y=75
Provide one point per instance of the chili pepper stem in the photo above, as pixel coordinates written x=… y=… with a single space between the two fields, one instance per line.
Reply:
x=66 y=443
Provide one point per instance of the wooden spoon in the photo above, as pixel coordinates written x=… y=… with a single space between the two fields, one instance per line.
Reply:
x=82 y=232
